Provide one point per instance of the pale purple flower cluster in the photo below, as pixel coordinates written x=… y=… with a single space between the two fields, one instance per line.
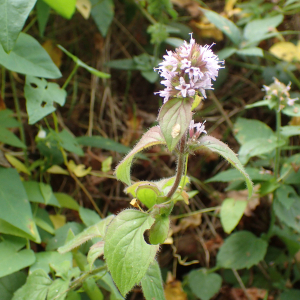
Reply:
x=188 y=70
x=195 y=129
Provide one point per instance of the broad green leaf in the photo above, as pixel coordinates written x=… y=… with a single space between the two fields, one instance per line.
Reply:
x=256 y=30
x=204 y=284
x=251 y=51
x=66 y=201
x=291 y=294
x=35 y=288
x=289 y=174
x=125 y=236
x=40 y=96
x=12 y=260
x=43 y=221
x=89 y=217
x=44 y=259
x=69 y=142
x=92 y=290
x=14 y=205
x=225 y=25
x=84 y=65
x=222 y=149
x=30 y=58
x=7 y=120
x=175 y=42
x=152 y=137
x=257 y=147
x=103 y=14
x=235 y=175
x=13 y=15
x=287 y=235
x=158 y=232
x=241 y=250
x=40 y=192
x=147 y=194
x=7 y=137
x=58 y=289
x=290 y=130
x=174 y=118
x=292 y=111
x=97 y=230
x=286 y=195
x=42 y=14
x=10 y=283
x=152 y=284
x=226 y=52
x=102 y=143
x=244 y=130
x=133 y=188
x=96 y=251
x=258 y=104
x=65 y=8
x=231 y=212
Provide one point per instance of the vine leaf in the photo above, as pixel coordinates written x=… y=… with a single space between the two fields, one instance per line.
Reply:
x=127 y=254
x=174 y=118
x=152 y=137
x=222 y=149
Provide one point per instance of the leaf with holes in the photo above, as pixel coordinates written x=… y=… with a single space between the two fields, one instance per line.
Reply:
x=152 y=137
x=13 y=14
x=222 y=149
x=174 y=118
x=152 y=283
x=127 y=254
x=40 y=96
x=241 y=250
x=30 y=58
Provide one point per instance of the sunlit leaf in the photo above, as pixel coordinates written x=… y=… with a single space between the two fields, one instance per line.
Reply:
x=84 y=7
x=65 y=8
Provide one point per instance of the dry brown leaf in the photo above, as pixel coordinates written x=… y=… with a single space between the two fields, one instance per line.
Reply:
x=253 y=202
x=214 y=243
x=188 y=222
x=173 y=289
x=206 y=29
x=84 y=7
x=295 y=121
x=254 y=294
x=191 y=6
x=54 y=52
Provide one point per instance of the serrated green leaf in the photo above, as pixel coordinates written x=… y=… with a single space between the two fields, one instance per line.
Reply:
x=241 y=250
x=40 y=96
x=89 y=217
x=290 y=130
x=83 y=65
x=231 y=212
x=58 y=289
x=97 y=230
x=174 y=118
x=152 y=285
x=103 y=14
x=203 y=284
x=95 y=251
x=30 y=58
x=222 y=149
x=65 y=8
x=35 y=288
x=125 y=236
x=13 y=15
x=10 y=283
x=14 y=205
x=158 y=232
x=225 y=25
x=152 y=137
x=251 y=51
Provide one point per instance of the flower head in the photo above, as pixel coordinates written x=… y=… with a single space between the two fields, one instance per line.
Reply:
x=195 y=129
x=188 y=71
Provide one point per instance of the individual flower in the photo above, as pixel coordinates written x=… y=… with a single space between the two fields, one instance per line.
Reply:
x=188 y=71
x=195 y=129
x=278 y=95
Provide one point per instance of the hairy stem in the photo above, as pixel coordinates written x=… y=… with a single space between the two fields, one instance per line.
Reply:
x=180 y=166
x=277 y=155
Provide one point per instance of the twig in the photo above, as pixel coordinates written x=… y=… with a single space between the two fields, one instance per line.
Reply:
x=239 y=279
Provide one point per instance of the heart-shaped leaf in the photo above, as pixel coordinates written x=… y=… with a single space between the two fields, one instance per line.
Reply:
x=152 y=137
x=174 y=118
x=127 y=254
x=203 y=284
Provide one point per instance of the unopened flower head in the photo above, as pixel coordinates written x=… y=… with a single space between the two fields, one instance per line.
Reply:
x=188 y=71
x=195 y=129
x=278 y=95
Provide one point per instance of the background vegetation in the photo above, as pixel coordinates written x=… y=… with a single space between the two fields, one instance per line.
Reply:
x=77 y=92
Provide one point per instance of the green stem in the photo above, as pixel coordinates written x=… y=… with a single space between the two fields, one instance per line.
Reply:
x=18 y=110
x=201 y=211
x=55 y=121
x=70 y=77
x=3 y=83
x=180 y=166
x=277 y=155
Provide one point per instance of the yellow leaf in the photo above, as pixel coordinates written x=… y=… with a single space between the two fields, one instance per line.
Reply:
x=54 y=52
x=196 y=102
x=206 y=29
x=58 y=220
x=84 y=7
x=173 y=290
x=17 y=164
x=78 y=170
x=57 y=170
x=106 y=164
x=286 y=51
